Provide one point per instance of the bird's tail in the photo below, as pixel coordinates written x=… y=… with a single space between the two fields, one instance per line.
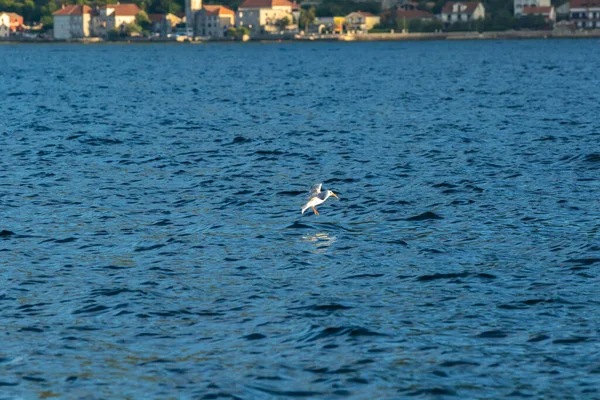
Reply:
x=304 y=209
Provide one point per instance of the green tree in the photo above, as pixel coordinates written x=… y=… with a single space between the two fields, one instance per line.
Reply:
x=142 y=20
x=338 y=8
x=48 y=22
x=307 y=17
x=499 y=21
x=114 y=34
x=432 y=26
x=241 y=31
x=403 y=24
x=282 y=23
x=231 y=32
x=415 y=25
x=132 y=28
x=166 y=7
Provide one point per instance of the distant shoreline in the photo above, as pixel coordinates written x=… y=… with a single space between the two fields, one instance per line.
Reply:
x=371 y=37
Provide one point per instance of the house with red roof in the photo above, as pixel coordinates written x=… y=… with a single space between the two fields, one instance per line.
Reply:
x=163 y=24
x=72 y=22
x=113 y=16
x=547 y=12
x=519 y=5
x=404 y=13
x=10 y=23
x=361 y=21
x=462 y=11
x=263 y=15
x=585 y=13
x=213 y=21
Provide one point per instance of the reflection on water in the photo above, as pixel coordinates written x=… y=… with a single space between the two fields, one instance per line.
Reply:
x=321 y=241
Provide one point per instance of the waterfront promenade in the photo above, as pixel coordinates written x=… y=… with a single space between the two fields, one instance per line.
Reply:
x=370 y=37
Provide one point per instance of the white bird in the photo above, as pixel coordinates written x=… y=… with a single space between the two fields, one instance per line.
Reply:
x=316 y=197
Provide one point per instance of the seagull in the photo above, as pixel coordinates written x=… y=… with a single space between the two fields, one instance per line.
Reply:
x=316 y=197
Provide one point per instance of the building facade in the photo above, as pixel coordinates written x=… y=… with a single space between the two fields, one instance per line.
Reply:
x=585 y=14
x=72 y=22
x=10 y=23
x=519 y=5
x=192 y=7
x=114 y=16
x=4 y=25
x=462 y=11
x=213 y=21
x=263 y=15
x=360 y=21
x=163 y=24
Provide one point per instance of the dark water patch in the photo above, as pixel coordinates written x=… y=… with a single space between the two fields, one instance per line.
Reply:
x=65 y=240
x=364 y=276
x=91 y=309
x=572 y=340
x=31 y=329
x=298 y=225
x=6 y=234
x=288 y=393
x=432 y=392
x=34 y=379
x=539 y=338
x=583 y=261
x=254 y=336
x=163 y=222
x=148 y=248
x=518 y=393
x=426 y=216
x=351 y=332
x=398 y=242
x=493 y=334
x=292 y=193
x=324 y=307
x=592 y=158
x=113 y=292
x=458 y=363
x=330 y=307
x=99 y=141
x=156 y=361
x=443 y=276
x=84 y=328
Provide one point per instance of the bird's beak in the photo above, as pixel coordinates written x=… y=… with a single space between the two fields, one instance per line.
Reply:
x=335 y=195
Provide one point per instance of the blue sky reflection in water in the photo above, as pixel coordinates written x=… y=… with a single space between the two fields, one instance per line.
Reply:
x=152 y=242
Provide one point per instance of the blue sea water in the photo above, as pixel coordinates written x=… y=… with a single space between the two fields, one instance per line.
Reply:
x=152 y=246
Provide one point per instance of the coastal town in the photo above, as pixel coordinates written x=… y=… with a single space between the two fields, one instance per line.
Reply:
x=283 y=19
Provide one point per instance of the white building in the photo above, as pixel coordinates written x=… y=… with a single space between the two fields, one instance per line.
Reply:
x=114 y=16
x=263 y=15
x=4 y=25
x=520 y=4
x=586 y=13
x=462 y=11
x=361 y=21
x=213 y=21
x=72 y=22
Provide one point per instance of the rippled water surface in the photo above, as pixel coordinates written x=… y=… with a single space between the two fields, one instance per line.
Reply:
x=152 y=246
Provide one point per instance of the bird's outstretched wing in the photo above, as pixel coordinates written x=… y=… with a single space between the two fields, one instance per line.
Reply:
x=314 y=190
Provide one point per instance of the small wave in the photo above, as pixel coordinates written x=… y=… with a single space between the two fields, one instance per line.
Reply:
x=426 y=216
